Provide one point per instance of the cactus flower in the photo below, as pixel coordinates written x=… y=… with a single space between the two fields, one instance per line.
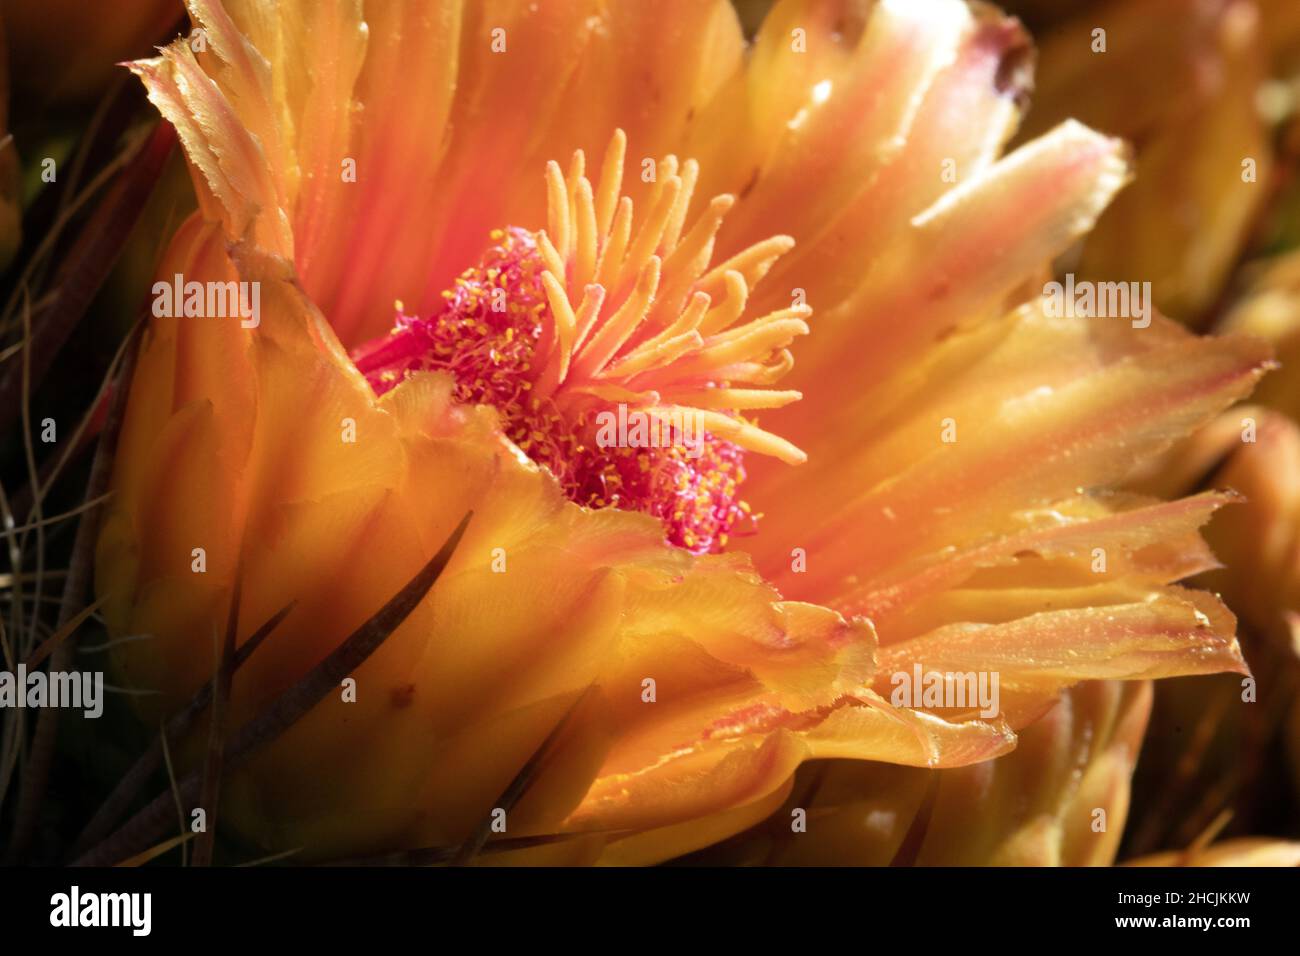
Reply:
x=474 y=232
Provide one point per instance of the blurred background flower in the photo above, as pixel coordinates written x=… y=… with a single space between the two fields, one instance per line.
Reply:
x=56 y=61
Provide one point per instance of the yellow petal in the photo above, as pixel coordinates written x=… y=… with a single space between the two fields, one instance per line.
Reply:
x=1060 y=798
x=1243 y=851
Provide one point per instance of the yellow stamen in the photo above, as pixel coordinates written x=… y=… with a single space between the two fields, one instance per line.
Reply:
x=611 y=182
x=557 y=208
x=655 y=319
x=739 y=399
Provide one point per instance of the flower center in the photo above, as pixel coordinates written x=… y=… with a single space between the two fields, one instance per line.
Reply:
x=613 y=355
